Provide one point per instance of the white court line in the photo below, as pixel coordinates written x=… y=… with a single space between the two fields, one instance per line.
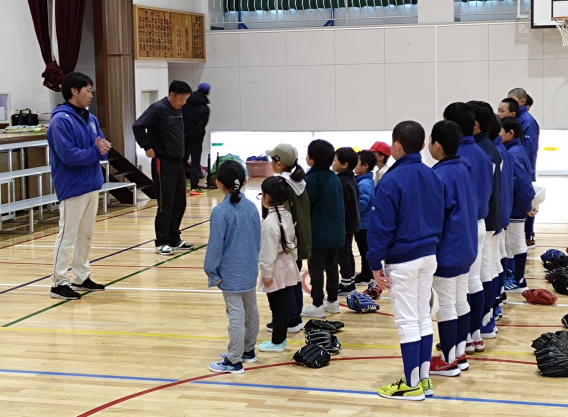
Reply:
x=529 y=304
x=92 y=247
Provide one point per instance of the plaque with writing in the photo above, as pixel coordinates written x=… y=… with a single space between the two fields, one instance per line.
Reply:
x=168 y=35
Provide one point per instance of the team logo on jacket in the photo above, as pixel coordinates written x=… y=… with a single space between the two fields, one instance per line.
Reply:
x=94 y=127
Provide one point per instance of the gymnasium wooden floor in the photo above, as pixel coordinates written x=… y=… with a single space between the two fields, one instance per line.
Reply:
x=142 y=347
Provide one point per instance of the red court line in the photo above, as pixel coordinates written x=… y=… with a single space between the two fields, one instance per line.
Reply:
x=254 y=368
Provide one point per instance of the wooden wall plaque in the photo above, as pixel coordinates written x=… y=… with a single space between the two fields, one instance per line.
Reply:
x=168 y=35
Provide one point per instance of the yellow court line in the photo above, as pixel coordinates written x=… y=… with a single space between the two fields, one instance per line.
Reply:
x=196 y=337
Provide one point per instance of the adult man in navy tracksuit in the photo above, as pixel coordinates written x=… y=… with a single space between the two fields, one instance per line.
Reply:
x=77 y=146
x=457 y=249
x=479 y=164
x=405 y=227
x=159 y=131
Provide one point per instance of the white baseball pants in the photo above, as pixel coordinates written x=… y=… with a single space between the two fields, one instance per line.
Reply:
x=452 y=294
x=474 y=276
x=515 y=238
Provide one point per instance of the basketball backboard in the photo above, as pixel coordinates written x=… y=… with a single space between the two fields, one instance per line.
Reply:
x=542 y=12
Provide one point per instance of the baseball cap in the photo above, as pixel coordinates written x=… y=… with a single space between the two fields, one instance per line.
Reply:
x=287 y=154
x=204 y=87
x=381 y=147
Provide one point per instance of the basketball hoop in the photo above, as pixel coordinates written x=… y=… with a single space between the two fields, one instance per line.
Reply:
x=562 y=25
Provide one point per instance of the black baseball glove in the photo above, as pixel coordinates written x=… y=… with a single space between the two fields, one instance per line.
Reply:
x=546 y=340
x=324 y=339
x=312 y=356
x=556 y=262
x=330 y=326
x=551 y=276
x=560 y=284
x=552 y=361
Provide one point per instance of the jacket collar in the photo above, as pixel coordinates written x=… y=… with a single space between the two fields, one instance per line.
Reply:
x=522 y=110
x=497 y=141
x=512 y=143
x=346 y=173
x=411 y=158
x=481 y=136
x=360 y=178
x=467 y=140
x=448 y=160
x=316 y=169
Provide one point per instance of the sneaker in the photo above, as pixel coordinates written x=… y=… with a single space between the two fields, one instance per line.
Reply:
x=439 y=347
x=427 y=387
x=474 y=347
x=225 y=366
x=439 y=367
x=463 y=364
x=64 y=292
x=313 y=311
x=247 y=356
x=504 y=298
x=268 y=346
x=164 y=250
x=514 y=287
x=400 y=391
x=197 y=191
x=182 y=245
x=531 y=243
x=498 y=313
x=362 y=280
x=345 y=290
x=469 y=349
x=332 y=307
x=296 y=328
x=488 y=331
x=88 y=285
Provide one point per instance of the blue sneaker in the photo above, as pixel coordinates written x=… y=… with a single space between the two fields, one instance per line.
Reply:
x=247 y=356
x=488 y=331
x=512 y=286
x=497 y=313
x=268 y=346
x=227 y=367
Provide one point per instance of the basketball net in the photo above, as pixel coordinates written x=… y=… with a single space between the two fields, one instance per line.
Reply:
x=562 y=25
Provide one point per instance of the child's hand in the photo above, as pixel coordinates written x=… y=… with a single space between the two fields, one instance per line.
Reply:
x=267 y=281
x=382 y=281
x=218 y=282
x=532 y=213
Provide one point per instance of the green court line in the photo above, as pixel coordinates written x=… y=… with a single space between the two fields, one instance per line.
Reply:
x=109 y=284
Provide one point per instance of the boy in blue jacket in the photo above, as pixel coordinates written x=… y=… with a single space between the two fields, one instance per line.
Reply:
x=479 y=164
x=456 y=251
x=77 y=147
x=366 y=185
x=405 y=227
x=523 y=195
x=328 y=227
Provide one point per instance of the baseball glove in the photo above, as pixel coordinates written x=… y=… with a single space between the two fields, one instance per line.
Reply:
x=543 y=341
x=312 y=356
x=373 y=291
x=556 y=262
x=551 y=276
x=560 y=284
x=330 y=326
x=361 y=303
x=565 y=321
x=540 y=296
x=323 y=339
x=551 y=254
x=552 y=361
x=546 y=340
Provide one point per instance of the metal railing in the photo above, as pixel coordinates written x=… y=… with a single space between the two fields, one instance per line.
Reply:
x=264 y=14
x=488 y=10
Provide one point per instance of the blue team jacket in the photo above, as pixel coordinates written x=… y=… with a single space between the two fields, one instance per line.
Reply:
x=408 y=213
x=366 y=186
x=506 y=180
x=532 y=133
x=494 y=220
x=479 y=164
x=523 y=191
x=457 y=249
x=75 y=166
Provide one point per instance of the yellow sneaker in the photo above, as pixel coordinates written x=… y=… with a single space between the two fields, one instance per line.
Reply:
x=400 y=391
x=427 y=387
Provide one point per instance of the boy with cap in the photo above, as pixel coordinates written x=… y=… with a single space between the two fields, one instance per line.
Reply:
x=382 y=152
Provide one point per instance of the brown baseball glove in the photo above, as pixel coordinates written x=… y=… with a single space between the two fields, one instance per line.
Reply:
x=539 y=296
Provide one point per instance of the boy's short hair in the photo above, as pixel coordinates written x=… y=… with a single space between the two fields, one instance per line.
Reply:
x=322 y=152
x=410 y=135
x=179 y=87
x=448 y=134
x=529 y=101
x=386 y=157
x=348 y=155
x=520 y=93
x=483 y=114
x=367 y=158
x=461 y=114
x=512 y=104
x=76 y=80
x=495 y=128
x=512 y=123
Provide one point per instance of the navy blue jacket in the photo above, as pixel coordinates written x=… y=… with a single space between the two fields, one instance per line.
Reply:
x=479 y=164
x=494 y=220
x=506 y=180
x=408 y=213
x=75 y=166
x=366 y=185
x=523 y=190
x=457 y=249
x=532 y=133
x=350 y=201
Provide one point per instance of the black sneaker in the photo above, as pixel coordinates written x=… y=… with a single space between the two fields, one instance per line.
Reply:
x=362 y=280
x=269 y=327
x=439 y=346
x=88 y=285
x=504 y=298
x=345 y=290
x=182 y=245
x=64 y=292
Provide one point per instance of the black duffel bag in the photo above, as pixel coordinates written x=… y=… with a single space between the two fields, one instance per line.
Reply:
x=25 y=119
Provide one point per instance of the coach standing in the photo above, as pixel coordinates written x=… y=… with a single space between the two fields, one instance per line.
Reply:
x=77 y=145
x=159 y=131
x=195 y=117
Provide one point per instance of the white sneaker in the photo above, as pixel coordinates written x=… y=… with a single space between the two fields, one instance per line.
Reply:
x=296 y=329
x=331 y=307
x=164 y=250
x=313 y=311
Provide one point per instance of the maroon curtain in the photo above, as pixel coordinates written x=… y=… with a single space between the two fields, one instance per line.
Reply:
x=52 y=74
x=69 y=27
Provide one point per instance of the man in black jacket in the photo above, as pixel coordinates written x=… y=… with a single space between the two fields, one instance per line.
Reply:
x=159 y=131
x=195 y=117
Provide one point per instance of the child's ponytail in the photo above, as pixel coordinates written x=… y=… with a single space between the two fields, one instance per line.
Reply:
x=299 y=174
x=232 y=175
x=279 y=191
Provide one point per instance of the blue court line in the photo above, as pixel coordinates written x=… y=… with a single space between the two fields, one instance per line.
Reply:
x=339 y=391
x=131 y=378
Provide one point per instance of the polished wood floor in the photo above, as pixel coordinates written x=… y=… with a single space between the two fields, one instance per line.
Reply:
x=142 y=347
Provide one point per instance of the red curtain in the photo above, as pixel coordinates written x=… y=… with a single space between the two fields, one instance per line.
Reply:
x=69 y=27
